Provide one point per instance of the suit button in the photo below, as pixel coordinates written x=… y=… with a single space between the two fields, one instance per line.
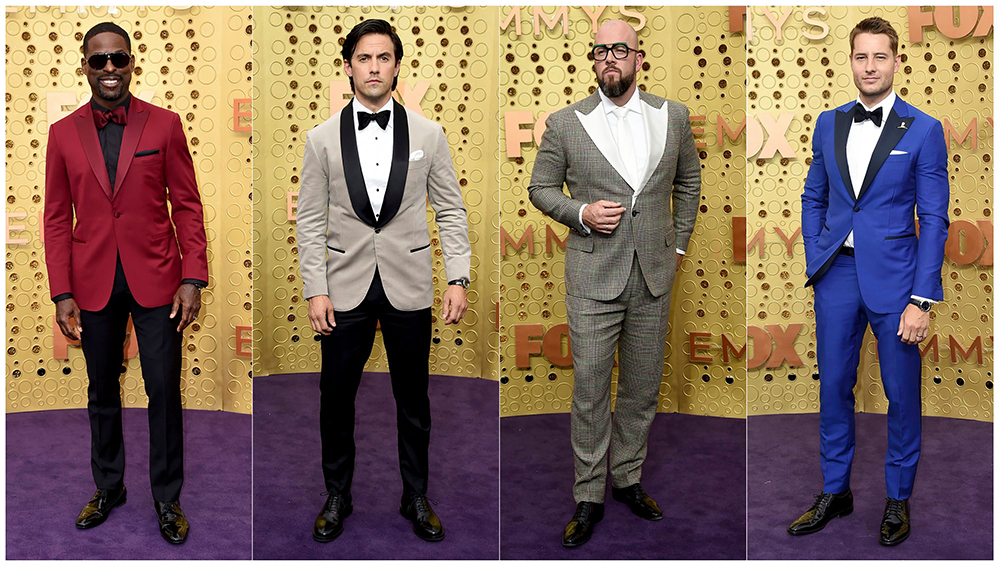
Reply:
x=857 y=209
x=117 y=214
x=378 y=230
x=635 y=213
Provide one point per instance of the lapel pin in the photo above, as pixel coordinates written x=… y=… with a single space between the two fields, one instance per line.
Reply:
x=902 y=125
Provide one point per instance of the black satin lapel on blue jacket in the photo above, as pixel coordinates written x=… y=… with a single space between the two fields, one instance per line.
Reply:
x=892 y=132
x=841 y=129
x=352 y=168
x=400 y=164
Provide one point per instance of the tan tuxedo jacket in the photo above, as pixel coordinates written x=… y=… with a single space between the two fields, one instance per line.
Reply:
x=341 y=243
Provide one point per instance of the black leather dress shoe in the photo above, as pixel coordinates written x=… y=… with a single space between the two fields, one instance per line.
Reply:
x=827 y=507
x=580 y=528
x=638 y=501
x=173 y=525
x=417 y=509
x=100 y=506
x=330 y=522
x=895 y=522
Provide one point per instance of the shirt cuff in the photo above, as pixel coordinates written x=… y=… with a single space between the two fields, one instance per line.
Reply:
x=201 y=284
x=61 y=297
x=679 y=251
x=586 y=229
x=918 y=298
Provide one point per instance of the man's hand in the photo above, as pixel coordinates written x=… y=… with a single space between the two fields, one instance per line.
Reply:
x=603 y=216
x=66 y=310
x=188 y=300
x=321 y=314
x=454 y=304
x=913 y=325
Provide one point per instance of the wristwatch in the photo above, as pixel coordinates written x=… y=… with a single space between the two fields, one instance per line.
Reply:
x=924 y=306
x=464 y=282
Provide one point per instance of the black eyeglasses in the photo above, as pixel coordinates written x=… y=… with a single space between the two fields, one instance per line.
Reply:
x=119 y=59
x=619 y=50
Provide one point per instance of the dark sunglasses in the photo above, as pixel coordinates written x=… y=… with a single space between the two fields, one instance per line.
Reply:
x=119 y=59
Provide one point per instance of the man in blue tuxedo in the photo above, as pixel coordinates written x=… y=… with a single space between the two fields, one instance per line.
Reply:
x=874 y=162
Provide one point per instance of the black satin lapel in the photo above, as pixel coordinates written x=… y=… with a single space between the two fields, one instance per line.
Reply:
x=400 y=164
x=893 y=131
x=137 y=116
x=841 y=129
x=92 y=148
x=352 y=168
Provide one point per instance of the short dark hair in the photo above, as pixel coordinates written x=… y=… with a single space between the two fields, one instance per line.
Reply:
x=876 y=26
x=105 y=27
x=364 y=28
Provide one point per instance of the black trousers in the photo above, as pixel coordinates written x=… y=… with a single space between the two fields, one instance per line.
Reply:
x=103 y=341
x=407 y=338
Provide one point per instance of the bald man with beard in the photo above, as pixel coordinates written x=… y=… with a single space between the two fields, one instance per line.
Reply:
x=630 y=164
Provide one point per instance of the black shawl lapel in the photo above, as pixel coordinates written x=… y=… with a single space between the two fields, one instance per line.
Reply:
x=400 y=163
x=352 y=167
x=841 y=129
x=893 y=130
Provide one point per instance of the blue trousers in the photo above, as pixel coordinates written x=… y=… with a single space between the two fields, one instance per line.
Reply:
x=841 y=320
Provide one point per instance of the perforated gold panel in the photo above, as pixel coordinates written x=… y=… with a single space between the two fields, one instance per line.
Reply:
x=794 y=75
x=691 y=56
x=449 y=73
x=195 y=62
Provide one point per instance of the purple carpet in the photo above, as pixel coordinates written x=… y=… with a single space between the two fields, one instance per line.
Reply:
x=951 y=509
x=288 y=479
x=695 y=470
x=49 y=481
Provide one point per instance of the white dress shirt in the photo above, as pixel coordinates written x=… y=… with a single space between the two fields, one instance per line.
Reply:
x=861 y=142
x=375 y=153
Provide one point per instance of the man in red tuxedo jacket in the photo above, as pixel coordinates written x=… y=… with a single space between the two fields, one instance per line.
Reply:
x=115 y=163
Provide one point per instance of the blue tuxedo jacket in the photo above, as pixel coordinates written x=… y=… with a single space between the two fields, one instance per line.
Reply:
x=908 y=171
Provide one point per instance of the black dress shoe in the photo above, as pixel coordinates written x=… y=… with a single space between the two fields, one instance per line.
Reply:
x=100 y=506
x=173 y=524
x=417 y=509
x=640 y=503
x=330 y=522
x=580 y=528
x=827 y=507
x=895 y=522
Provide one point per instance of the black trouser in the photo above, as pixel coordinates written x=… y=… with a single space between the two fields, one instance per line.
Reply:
x=103 y=341
x=407 y=339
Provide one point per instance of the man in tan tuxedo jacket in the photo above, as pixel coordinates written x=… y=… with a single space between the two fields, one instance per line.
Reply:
x=629 y=161
x=365 y=256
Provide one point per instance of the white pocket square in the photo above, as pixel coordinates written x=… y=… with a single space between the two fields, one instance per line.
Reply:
x=417 y=155
x=897 y=153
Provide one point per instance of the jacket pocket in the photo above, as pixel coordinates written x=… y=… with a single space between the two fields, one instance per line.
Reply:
x=78 y=241
x=911 y=235
x=425 y=246
x=161 y=235
x=336 y=249
x=583 y=244
x=146 y=153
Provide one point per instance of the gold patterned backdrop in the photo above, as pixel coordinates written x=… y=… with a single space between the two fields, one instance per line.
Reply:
x=692 y=55
x=449 y=73
x=795 y=74
x=195 y=62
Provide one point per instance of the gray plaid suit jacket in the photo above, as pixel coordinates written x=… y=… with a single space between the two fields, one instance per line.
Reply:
x=339 y=251
x=577 y=152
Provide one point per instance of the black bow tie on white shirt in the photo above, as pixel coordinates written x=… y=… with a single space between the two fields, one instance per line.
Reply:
x=860 y=114
x=365 y=118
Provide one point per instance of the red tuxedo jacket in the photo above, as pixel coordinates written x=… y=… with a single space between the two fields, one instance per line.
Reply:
x=132 y=221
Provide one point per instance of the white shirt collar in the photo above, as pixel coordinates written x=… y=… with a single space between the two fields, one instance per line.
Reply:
x=610 y=106
x=358 y=107
x=885 y=104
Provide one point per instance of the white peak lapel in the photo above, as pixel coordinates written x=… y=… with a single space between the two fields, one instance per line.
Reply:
x=596 y=125
x=655 y=120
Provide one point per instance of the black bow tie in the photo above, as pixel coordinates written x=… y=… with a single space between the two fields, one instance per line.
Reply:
x=860 y=114
x=365 y=118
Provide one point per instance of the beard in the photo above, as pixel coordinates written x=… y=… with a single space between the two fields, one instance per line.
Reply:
x=111 y=94
x=617 y=88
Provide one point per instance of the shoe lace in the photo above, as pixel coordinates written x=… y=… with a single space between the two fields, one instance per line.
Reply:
x=170 y=511
x=823 y=501
x=894 y=509
x=333 y=501
x=421 y=504
x=637 y=492
x=582 y=511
